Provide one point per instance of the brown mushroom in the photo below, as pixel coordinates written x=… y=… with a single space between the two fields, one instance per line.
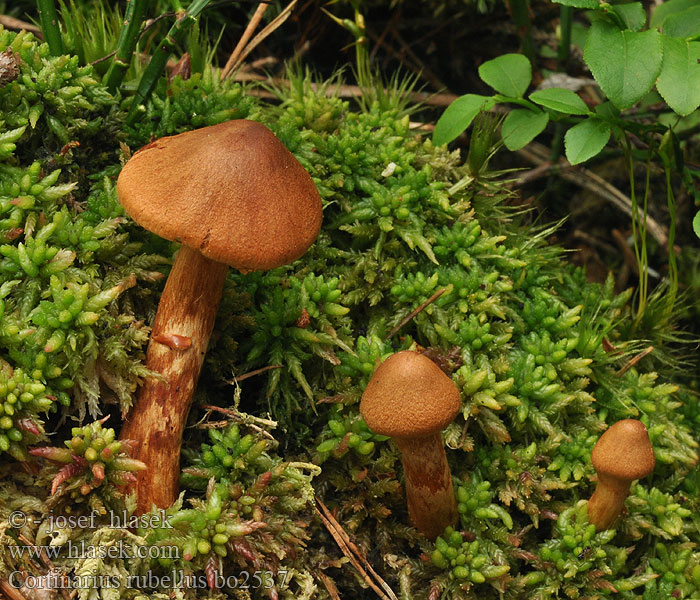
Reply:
x=233 y=195
x=410 y=399
x=622 y=454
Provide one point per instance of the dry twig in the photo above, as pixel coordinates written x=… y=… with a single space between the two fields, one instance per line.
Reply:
x=635 y=360
x=344 y=91
x=12 y=23
x=256 y=423
x=330 y=586
x=257 y=40
x=628 y=255
x=353 y=553
x=537 y=154
x=252 y=26
x=240 y=378
x=9 y=591
x=413 y=313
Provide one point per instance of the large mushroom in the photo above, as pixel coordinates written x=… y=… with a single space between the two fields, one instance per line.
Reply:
x=622 y=454
x=410 y=399
x=233 y=195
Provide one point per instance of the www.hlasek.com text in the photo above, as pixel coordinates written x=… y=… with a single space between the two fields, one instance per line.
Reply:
x=119 y=549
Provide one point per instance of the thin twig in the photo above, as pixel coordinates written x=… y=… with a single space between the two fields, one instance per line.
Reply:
x=593 y=241
x=240 y=378
x=348 y=554
x=423 y=70
x=252 y=26
x=12 y=23
x=258 y=39
x=11 y=592
x=352 y=552
x=528 y=177
x=413 y=313
x=46 y=563
x=330 y=586
x=257 y=423
x=538 y=155
x=344 y=91
x=107 y=56
x=633 y=361
x=627 y=253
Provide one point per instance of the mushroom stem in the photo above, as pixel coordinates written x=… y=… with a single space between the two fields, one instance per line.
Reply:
x=188 y=309
x=607 y=501
x=432 y=505
x=622 y=454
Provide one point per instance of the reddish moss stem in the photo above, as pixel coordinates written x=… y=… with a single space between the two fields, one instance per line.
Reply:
x=187 y=309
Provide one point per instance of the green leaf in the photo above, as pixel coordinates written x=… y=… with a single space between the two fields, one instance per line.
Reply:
x=624 y=63
x=607 y=111
x=560 y=99
x=509 y=74
x=458 y=116
x=585 y=140
x=684 y=24
x=632 y=15
x=668 y=8
x=696 y=224
x=579 y=3
x=521 y=126
x=679 y=81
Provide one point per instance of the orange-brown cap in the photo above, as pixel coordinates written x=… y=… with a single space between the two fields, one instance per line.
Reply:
x=624 y=451
x=231 y=191
x=409 y=396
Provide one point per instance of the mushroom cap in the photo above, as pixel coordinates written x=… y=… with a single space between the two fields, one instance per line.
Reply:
x=409 y=396
x=231 y=191
x=624 y=451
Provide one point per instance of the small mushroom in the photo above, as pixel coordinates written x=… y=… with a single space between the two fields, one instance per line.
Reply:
x=410 y=399
x=622 y=454
x=233 y=195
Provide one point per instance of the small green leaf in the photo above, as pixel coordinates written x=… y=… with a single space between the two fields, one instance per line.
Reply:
x=679 y=81
x=684 y=24
x=579 y=3
x=521 y=126
x=458 y=116
x=668 y=8
x=624 y=63
x=696 y=224
x=632 y=15
x=509 y=74
x=585 y=140
x=560 y=99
